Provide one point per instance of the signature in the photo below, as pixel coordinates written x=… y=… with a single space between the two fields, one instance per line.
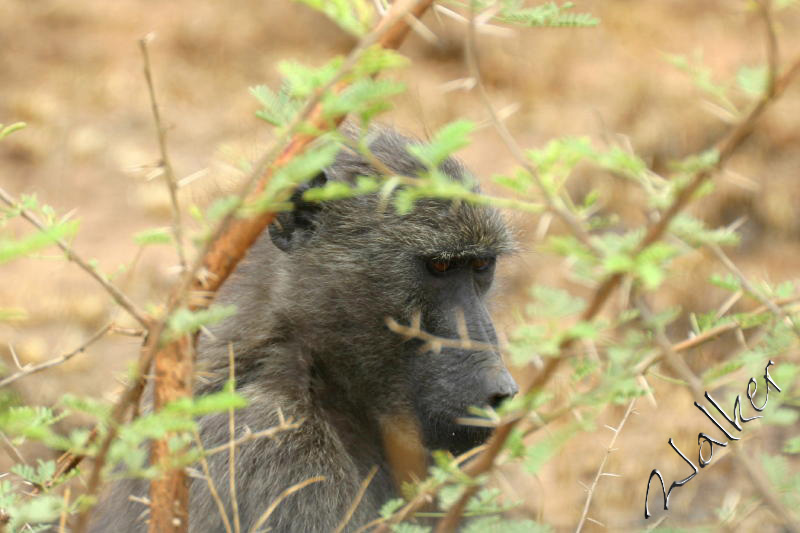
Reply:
x=703 y=439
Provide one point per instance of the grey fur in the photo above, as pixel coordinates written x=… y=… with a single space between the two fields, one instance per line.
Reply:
x=310 y=340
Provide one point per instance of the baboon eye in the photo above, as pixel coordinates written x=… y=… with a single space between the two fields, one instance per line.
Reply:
x=482 y=264
x=439 y=267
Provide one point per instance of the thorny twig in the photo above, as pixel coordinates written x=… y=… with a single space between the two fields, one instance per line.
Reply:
x=166 y=165
x=600 y=472
x=118 y=296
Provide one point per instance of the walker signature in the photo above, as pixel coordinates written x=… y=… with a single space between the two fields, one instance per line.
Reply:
x=702 y=438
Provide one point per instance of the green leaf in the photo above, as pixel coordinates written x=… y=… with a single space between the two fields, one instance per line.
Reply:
x=551 y=302
x=153 y=236
x=792 y=445
x=391 y=507
x=376 y=59
x=337 y=190
x=217 y=402
x=729 y=282
x=546 y=15
x=444 y=143
x=12 y=314
x=752 y=80
x=5 y=131
x=409 y=528
x=183 y=321
x=496 y=524
x=702 y=77
x=695 y=232
x=43 y=508
x=301 y=80
x=781 y=417
x=12 y=249
x=353 y=16
x=277 y=108
x=541 y=452
x=365 y=97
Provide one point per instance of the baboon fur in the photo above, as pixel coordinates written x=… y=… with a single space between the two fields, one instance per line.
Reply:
x=311 y=343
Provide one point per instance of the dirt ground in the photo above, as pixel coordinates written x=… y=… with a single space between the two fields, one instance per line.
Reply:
x=72 y=71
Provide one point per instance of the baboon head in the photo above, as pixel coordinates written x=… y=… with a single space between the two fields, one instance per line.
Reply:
x=349 y=265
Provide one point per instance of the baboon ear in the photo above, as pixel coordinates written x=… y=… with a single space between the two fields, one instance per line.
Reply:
x=292 y=228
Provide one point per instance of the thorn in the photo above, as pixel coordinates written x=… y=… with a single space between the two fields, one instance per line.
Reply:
x=595 y=521
x=14 y=356
x=609 y=474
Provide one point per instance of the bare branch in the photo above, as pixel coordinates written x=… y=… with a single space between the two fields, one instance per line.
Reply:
x=288 y=492
x=769 y=304
x=565 y=215
x=166 y=165
x=435 y=343
x=362 y=489
x=603 y=465
x=212 y=487
x=268 y=433
x=32 y=369
x=118 y=296
x=237 y=526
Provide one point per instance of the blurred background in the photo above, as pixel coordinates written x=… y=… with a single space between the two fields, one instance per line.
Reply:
x=73 y=72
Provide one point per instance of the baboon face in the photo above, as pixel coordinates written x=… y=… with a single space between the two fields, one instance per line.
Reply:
x=357 y=263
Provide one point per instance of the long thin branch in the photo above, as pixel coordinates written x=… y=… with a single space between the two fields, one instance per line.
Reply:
x=118 y=296
x=212 y=487
x=362 y=489
x=27 y=370
x=600 y=472
x=283 y=495
x=708 y=335
x=750 y=288
x=169 y=174
x=512 y=145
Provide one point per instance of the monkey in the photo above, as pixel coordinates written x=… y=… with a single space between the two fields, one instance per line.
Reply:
x=311 y=343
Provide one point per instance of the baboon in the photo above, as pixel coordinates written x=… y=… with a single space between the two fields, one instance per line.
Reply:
x=311 y=342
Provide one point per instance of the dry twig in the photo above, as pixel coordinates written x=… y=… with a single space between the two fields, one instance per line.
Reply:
x=27 y=370
x=277 y=501
x=166 y=165
x=584 y=514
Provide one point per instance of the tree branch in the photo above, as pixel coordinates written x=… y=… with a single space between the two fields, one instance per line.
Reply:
x=118 y=296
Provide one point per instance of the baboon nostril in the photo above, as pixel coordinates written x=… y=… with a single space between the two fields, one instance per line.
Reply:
x=496 y=399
